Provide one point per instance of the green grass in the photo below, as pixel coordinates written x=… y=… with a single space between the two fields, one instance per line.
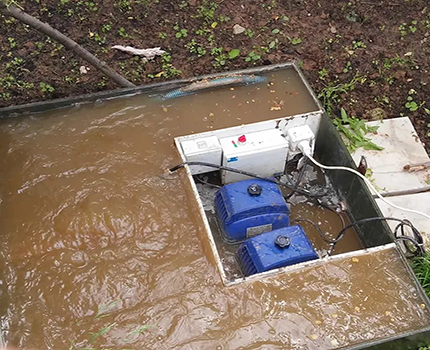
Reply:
x=421 y=267
x=105 y=310
x=102 y=331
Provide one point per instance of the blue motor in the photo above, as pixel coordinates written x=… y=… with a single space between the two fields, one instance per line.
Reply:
x=271 y=250
x=250 y=207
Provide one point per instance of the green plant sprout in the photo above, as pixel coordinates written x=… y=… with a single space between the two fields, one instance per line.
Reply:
x=354 y=131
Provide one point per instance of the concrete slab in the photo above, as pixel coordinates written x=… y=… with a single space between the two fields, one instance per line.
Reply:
x=402 y=146
x=418 y=201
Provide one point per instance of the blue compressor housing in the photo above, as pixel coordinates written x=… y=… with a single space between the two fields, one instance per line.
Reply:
x=250 y=207
x=271 y=250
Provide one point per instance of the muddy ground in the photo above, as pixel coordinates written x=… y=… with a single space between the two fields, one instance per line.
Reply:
x=370 y=57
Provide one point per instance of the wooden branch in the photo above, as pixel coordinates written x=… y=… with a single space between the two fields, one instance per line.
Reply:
x=70 y=44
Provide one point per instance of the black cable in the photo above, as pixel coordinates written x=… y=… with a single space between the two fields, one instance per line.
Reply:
x=323 y=237
x=417 y=235
x=242 y=172
x=206 y=183
x=299 y=179
x=325 y=206
x=417 y=241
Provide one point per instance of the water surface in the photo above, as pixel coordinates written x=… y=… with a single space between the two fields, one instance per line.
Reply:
x=96 y=236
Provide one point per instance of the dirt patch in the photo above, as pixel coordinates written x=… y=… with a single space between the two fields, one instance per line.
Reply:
x=359 y=55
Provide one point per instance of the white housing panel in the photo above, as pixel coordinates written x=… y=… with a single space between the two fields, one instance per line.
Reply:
x=205 y=149
x=263 y=153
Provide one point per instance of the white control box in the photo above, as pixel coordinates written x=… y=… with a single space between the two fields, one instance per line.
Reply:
x=298 y=134
x=206 y=149
x=263 y=153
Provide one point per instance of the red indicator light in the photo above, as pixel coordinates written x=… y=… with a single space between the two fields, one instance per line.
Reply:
x=242 y=139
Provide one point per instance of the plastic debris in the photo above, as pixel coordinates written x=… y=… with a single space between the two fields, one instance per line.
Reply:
x=148 y=53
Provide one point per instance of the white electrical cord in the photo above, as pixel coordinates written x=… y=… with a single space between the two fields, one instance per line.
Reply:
x=306 y=150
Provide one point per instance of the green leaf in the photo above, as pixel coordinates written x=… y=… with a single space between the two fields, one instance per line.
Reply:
x=372 y=129
x=344 y=115
x=369 y=145
x=140 y=329
x=234 y=53
x=275 y=31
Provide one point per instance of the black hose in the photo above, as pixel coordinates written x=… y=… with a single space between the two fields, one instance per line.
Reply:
x=242 y=172
x=317 y=228
x=299 y=179
x=417 y=241
x=206 y=183
x=324 y=238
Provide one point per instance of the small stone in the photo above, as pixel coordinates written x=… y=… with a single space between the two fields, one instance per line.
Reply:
x=79 y=258
x=237 y=29
x=83 y=70
x=332 y=28
x=376 y=114
x=354 y=260
x=400 y=75
x=29 y=45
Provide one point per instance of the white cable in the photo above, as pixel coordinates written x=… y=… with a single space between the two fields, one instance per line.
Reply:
x=304 y=147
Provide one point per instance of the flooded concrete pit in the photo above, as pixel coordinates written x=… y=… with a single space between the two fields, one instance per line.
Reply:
x=95 y=233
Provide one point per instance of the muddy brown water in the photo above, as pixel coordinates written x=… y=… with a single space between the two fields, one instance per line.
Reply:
x=97 y=238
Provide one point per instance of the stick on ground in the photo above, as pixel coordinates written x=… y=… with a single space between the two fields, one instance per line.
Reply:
x=45 y=28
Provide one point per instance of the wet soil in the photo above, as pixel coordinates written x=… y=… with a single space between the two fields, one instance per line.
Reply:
x=384 y=44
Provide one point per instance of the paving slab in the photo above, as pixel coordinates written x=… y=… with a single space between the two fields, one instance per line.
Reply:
x=402 y=146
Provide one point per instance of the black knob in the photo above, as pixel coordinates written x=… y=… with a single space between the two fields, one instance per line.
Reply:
x=282 y=241
x=254 y=190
